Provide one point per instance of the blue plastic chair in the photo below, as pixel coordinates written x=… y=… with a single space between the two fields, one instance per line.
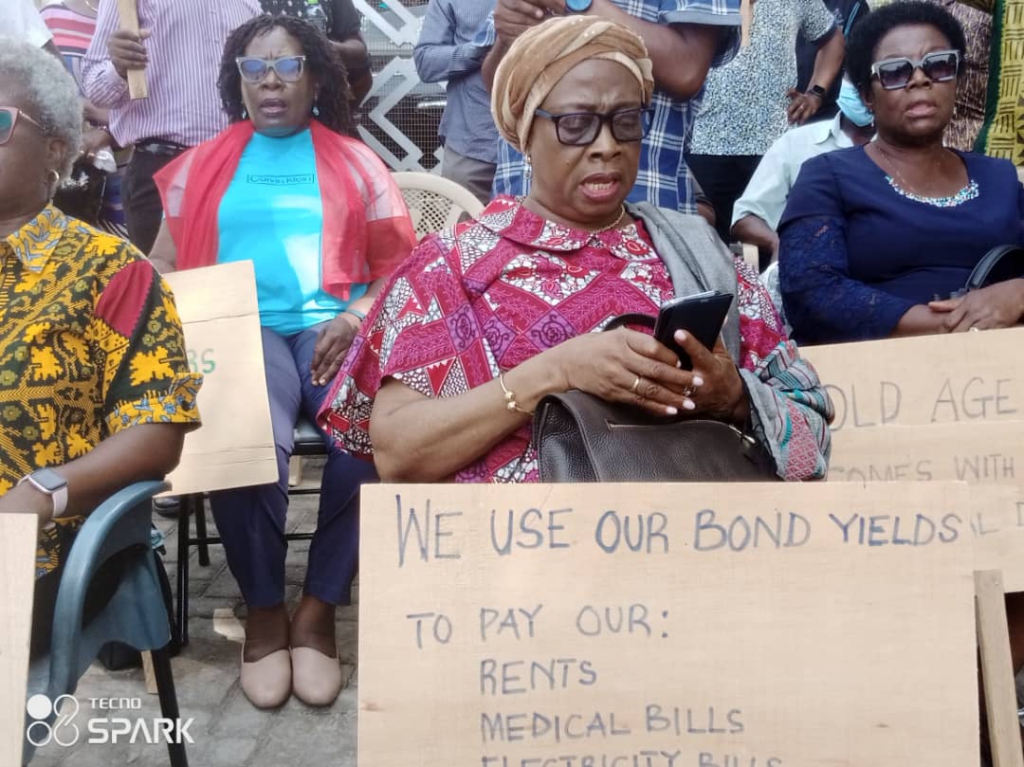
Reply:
x=135 y=614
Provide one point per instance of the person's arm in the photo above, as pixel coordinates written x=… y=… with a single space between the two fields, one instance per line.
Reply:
x=146 y=451
x=758 y=210
x=94 y=114
x=436 y=55
x=818 y=25
x=829 y=61
x=821 y=300
x=350 y=46
x=164 y=254
x=102 y=83
x=755 y=230
x=508 y=21
x=427 y=439
x=336 y=337
x=357 y=64
x=681 y=54
x=824 y=304
x=148 y=394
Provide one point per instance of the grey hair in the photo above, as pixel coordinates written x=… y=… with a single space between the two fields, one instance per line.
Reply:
x=51 y=91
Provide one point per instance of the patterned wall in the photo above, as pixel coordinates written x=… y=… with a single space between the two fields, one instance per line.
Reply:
x=400 y=115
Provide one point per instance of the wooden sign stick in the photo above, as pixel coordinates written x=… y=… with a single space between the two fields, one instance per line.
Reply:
x=997 y=669
x=128 y=16
x=746 y=19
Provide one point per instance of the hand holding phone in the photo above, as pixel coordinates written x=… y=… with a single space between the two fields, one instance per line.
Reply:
x=701 y=315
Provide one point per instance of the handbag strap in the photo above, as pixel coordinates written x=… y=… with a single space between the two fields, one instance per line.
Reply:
x=980 y=274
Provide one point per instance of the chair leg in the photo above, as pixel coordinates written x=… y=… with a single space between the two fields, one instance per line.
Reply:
x=184 y=532
x=168 y=701
x=204 y=549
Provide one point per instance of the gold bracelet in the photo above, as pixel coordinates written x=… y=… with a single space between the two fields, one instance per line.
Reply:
x=510 y=398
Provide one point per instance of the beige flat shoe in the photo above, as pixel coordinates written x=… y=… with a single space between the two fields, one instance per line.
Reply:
x=267 y=682
x=316 y=679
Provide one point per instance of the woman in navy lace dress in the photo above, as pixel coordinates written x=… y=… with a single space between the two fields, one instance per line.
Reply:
x=876 y=238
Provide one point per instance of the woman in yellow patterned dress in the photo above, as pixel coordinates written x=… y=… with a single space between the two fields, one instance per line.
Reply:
x=95 y=392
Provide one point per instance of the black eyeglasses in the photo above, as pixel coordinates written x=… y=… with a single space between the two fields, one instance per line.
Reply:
x=253 y=69
x=9 y=118
x=582 y=128
x=939 y=67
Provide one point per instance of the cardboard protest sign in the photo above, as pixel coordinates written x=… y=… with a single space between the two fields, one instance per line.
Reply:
x=17 y=579
x=957 y=378
x=989 y=455
x=235 y=445
x=746 y=625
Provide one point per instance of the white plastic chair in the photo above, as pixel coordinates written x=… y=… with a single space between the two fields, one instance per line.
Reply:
x=434 y=202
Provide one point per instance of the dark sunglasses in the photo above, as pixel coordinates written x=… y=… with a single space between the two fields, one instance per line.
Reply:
x=939 y=67
x=253 y=69
x=582 y=128
x=9 y=118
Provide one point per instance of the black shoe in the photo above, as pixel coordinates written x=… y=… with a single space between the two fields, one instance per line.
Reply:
x=167 y=507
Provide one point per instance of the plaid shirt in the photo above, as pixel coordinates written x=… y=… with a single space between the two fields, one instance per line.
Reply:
x=663 y=179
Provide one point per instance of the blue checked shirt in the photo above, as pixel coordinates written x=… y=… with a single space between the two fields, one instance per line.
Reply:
x=663 y=179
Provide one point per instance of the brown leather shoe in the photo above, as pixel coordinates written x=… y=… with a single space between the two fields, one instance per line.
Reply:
x=316 y=678
x=267 y=682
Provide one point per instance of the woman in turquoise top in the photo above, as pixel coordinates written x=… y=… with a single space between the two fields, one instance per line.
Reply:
x=318 y=215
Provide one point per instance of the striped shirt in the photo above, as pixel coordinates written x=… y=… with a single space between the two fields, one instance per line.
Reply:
x=663 y=179
x=184 y=50
x=72 y=32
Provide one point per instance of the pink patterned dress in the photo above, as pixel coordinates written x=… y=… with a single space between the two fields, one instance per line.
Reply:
x=493 y=292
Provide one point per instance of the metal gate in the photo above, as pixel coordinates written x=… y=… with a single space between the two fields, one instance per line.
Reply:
x=400 y=116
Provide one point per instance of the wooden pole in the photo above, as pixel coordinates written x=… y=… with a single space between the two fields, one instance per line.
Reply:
x=128 y=16
x=997 y=669
x=147 y=670
x=746 y=19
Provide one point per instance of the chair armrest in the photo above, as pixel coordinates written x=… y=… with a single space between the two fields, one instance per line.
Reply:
x=119 y=523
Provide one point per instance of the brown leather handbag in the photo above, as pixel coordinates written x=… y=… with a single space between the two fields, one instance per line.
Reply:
x=582 y=438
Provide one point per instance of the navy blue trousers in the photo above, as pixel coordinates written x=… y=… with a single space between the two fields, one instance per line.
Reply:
x=251 y=520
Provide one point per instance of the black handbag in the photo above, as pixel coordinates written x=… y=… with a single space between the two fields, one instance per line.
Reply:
x=1002 y=263
x=582 y=438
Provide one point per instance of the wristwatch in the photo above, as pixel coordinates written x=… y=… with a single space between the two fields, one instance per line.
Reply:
x=577 y=6
x=52 y=484
x=816 y=90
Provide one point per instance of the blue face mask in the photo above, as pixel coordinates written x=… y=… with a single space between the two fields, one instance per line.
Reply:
x=852 y=107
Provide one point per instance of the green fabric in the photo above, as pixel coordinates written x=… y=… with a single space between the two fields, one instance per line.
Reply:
x=1002 y=134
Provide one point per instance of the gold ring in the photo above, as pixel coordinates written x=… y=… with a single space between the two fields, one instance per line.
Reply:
x=975 y=329
x=636 y=385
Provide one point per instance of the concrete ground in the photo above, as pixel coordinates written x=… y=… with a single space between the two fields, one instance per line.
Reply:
x=227 y=731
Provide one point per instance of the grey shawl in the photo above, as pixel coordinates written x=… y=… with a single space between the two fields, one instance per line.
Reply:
x=696 y=259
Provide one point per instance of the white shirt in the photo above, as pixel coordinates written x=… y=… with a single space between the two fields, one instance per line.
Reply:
x=20 y=19
x=768 y=190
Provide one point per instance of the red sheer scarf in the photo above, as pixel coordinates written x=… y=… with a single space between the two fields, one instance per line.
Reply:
x=356 y=248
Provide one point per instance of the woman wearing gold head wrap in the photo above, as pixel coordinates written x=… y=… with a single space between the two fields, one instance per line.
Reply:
x=485 y=319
